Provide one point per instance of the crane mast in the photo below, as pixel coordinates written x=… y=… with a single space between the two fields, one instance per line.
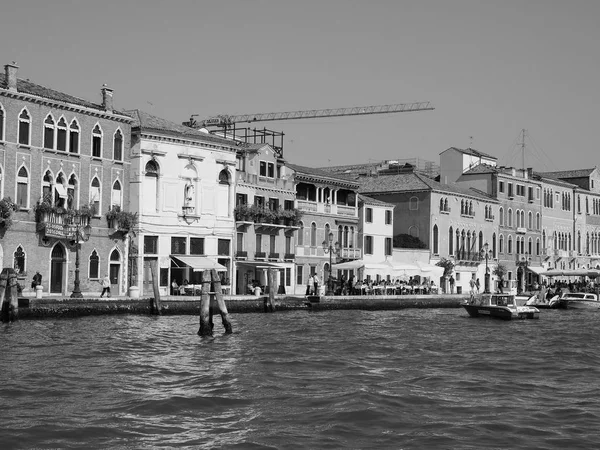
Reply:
x=225 y=120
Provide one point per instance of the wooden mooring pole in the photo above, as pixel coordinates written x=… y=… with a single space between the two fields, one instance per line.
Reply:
x=270 y=299
x=9 y=301
x=210 y=279
x=156 y=301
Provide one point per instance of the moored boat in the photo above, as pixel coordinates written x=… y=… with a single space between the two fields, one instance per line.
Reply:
x=581 y=300
x=500 y=306
x=554 y=303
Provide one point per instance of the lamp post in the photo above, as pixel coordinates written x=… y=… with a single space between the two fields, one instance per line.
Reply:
x=331 y=248
x=487 y=254
x=80 y=234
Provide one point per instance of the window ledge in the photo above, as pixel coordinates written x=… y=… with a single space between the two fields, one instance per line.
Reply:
x=118 y=161
x=96 y=158
x=24 y=146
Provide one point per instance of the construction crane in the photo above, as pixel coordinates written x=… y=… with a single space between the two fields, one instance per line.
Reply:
x=225 y=121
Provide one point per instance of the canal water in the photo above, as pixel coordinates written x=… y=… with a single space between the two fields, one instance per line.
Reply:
x=413 y=379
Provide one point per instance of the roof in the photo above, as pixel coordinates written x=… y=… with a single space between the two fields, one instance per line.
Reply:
x=148 y=122
x=28 y=87
x=481 y=168
x=554 y=181
x=409 y=182
x=472 y=152
x=372 y=201
x=325 y=176
x=566 y=174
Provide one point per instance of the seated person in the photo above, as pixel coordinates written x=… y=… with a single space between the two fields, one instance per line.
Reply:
x=183 y=286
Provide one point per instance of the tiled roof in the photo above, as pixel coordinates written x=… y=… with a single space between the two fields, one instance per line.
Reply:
x=408 y=182
x=565 y=174
x=481 y=168
x=322 y=174
x=27 y=87
x=472 y=152
x=554 y=181
x=372 y=201
x=148 y=122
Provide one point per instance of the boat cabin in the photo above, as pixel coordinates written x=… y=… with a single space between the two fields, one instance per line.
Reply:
x=502 y=300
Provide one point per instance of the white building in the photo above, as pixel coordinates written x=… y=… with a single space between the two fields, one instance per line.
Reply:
x=183 y=188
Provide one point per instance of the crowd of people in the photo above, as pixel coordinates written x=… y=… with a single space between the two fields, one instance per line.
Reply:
x=369 y=286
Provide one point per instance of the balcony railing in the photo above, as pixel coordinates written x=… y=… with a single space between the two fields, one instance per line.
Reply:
x=289 y=256
x=326 y=208
x=521 y=230
x=463 y=255
x=260 y=255
x=445 y=210
x=273 y=255
x=350 y=253
x=241 y=254
x=61 y=224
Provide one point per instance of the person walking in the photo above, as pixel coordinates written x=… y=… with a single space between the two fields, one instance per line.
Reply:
x=105 y=283
x=477 y=285
x=316 y=283
x=451 y=284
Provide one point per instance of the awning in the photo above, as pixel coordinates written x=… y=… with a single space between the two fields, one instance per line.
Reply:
x=62 y=192
x=260 y=264
x=538 y=270
x=569 y=273
x=430 y=270
x=406 y=269
x=349 y=265
x=198 y=263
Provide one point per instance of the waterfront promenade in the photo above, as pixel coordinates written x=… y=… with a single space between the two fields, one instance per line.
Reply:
x=52 y=307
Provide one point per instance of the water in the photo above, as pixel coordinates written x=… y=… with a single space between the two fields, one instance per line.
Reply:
x=409 y=379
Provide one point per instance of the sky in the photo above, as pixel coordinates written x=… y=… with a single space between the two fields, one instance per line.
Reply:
x=489 y=68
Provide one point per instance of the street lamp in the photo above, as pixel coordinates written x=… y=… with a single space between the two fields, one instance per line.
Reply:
x=79 y=234
x=487 y=254
x=331 y=248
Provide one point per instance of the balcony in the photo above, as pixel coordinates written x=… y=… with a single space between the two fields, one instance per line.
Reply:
x=469 y=215
x=521 y=230
x=260 y=255
x=350 y=253
x=463 y=257
x=289 y=257
x=257 y=180
x=326 y=208
x=241 y=254
x=61 y=224
x=445 y=210
x=489 y=218
x=273 y=256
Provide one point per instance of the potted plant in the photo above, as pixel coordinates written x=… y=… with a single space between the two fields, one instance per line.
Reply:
x=448 y=266
x=7 y=209
x=500 y=271
x=242 y=212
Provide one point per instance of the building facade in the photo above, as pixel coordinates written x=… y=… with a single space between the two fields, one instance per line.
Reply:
x=329 y=204
x=266 y=220
x=64 y=163
x=183 y=189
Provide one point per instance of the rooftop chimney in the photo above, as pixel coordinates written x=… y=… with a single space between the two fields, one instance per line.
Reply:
x=107 y=98
x=10 y=70
x=530 y=172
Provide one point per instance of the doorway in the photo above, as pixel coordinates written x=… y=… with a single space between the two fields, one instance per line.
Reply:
x=114 y=271
x=57 y=269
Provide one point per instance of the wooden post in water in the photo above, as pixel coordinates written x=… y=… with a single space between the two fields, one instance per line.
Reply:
x=206 y=326
x=156 y=302
x=270 y=299
x=220 y=302
x=9 y=301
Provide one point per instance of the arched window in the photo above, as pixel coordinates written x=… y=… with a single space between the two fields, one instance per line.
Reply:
x=471 y=211
x=116 y=195
x=72 y=194
x=441 y=204
x=414 y=203
x=49 y=126
x=19 y=260
x=96 y=196
x=97 y=142
x=2 y=126
x=301 y=234
x=501 y=214
x=313 y=234
x=462 y=206
x=501 y=244
x=446 y=205
x=23 y=188
x=224 y=177
x=118 y=146
x=150 y=188
x=537 y=247
x=450 y=241
x=346 y=235
x=510 y=218
x=115 y=255
x=530 y=246
x=24 y=128
x=530 y=217
x=435 y=240
x=74 y=137
x=538 y=223
x=509 y=249
x=47 y=182
x=327 y=231
x=494 y=245
x=480 y=241
x=60 y=191
x=94 y=266
x=340 y=234
x=61 y=135
x=579 y=242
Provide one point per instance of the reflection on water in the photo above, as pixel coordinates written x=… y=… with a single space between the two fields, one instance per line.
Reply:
x=356 y=379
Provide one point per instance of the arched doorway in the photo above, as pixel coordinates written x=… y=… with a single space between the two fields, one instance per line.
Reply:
x=115 y=269
x=57 y=269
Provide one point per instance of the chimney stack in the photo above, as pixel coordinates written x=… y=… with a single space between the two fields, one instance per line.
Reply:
x=10 y=71
x=530 y=173
x=107 y=98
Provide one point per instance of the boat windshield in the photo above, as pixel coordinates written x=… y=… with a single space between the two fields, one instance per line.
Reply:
x=502 y=300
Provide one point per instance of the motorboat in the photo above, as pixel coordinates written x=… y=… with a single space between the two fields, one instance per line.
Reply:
x=555 y=302
x=500 y=306
x=581 y=300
